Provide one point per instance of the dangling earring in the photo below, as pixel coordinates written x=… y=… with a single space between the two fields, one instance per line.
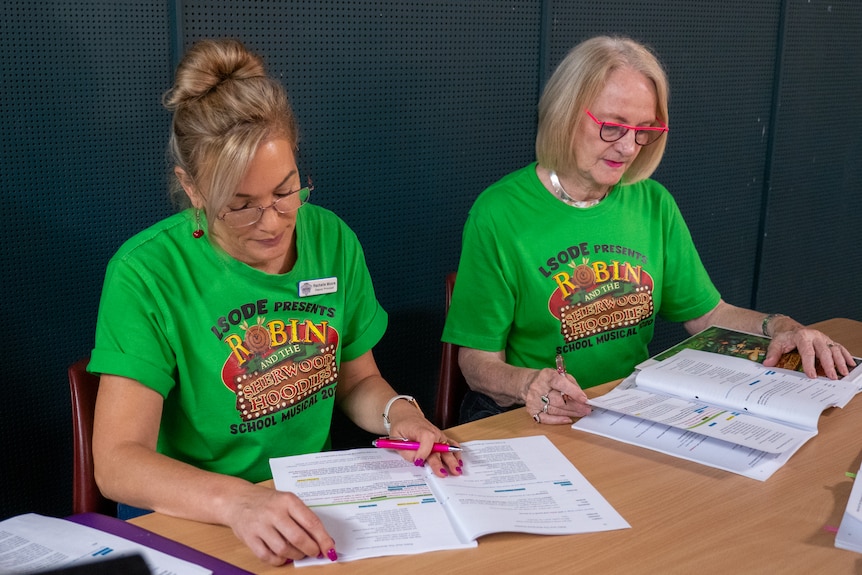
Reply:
x=199 y=232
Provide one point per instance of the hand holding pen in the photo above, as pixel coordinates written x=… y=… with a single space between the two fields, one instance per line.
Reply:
x=572 y=404
x=401 y=443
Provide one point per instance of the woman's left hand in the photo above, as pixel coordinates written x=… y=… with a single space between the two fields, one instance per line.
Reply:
x=409 y=423
x=813 y=346
x=362 y=394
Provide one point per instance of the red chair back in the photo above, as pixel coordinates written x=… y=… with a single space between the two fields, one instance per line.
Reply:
x=452 y=386
x=86 y=496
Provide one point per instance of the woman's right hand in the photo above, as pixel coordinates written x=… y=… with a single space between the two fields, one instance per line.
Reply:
x=487 y=372
x=278 y=527
x=554 y=398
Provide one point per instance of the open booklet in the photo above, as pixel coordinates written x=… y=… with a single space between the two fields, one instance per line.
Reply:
x=33 y=543
x=726 y=341
x=718 y=410
x=374 y=503
x=849 y=534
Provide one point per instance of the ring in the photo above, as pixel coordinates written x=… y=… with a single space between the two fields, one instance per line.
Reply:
x=830 y=345
x=545 y=399
x=545 y=408
x=536 y=417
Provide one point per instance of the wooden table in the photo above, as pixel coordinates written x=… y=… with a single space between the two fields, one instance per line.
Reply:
x=684 y=517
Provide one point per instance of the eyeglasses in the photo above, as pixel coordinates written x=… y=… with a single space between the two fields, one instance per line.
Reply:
x=644 y=135
x=284 y=205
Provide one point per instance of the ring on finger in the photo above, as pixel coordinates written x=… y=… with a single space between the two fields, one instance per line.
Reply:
x=545 y=408
x=545 y=399
x=537 y=417
x=830 y=344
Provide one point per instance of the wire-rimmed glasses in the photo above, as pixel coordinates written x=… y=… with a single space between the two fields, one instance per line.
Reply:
x=286 y=204
x=644 y=135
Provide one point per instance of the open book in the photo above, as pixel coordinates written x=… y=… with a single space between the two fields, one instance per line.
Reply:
x=33 y=543
x=726 y=341
x=718 y=410
x=374 y=503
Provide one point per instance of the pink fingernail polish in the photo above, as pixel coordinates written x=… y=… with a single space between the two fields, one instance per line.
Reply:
x=461 y=463
x=458 y=469
x=419 y=462
x=443 y=471
x=332 y=554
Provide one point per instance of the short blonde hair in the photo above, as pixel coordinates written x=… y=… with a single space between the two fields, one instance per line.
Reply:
x=575 y=85
x=224 y=107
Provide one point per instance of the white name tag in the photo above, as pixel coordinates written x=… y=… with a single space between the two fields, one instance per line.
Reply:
x=316 y=287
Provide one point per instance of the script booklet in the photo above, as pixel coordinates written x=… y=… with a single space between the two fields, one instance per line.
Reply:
x=718 y=410
x=849 y=534
x=374 y=503
x=33 y=543
x=726 y=341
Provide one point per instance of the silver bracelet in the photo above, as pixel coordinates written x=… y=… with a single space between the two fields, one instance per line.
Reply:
x=764 y=327
x=387 y=424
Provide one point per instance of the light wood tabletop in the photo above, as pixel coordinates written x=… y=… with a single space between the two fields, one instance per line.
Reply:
x=684 y=517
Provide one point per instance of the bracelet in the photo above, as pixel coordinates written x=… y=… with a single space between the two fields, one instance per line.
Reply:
x=387 y=424
x=764 y=327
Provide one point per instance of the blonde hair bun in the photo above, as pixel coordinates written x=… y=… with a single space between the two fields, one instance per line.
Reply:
x=207 y=66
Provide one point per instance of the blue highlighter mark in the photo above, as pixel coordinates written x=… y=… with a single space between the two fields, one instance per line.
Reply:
x=102 y=552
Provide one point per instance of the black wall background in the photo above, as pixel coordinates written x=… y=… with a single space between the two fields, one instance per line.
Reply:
x=408 y=109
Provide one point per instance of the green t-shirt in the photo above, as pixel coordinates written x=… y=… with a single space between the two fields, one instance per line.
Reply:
x=247 y=361
x=538 y=277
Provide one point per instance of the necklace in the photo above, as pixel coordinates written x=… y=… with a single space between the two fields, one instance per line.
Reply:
x=563 y=195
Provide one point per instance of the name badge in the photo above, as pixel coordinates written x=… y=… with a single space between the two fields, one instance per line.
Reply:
x=309 y=288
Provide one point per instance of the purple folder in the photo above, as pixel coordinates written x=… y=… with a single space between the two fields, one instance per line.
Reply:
x=141 y=536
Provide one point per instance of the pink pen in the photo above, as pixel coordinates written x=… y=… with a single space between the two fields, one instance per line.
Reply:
x=561 y=369
x=388 y=443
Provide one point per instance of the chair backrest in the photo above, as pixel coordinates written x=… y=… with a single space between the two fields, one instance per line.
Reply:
x=86 y=496
x=452 y=386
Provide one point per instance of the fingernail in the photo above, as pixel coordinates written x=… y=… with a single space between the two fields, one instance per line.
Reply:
x=461 y=463
x=419 y=462
x=458 y=469
x=332 y=554
x=320 y=555
x=443 y=471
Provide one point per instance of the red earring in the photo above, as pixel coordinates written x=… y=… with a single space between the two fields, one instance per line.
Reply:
x=199 y=232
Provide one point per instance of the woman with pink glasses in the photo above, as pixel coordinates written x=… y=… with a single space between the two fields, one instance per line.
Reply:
x=567 y=261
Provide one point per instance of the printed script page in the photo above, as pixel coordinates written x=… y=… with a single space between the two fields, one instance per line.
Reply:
x=525 y=485
x=734 y=426
x=688 y=445
x=736 y=383
x=33 y=543
x=372 y=502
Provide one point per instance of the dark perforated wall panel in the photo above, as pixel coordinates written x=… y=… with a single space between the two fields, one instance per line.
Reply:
x=812 y=228
x=83 y=168
x=408 y=109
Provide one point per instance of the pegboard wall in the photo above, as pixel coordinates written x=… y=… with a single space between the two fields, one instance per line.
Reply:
x=407 y=110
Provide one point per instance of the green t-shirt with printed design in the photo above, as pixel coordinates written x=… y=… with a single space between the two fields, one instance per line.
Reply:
x=247 y=362
x=538 y=277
